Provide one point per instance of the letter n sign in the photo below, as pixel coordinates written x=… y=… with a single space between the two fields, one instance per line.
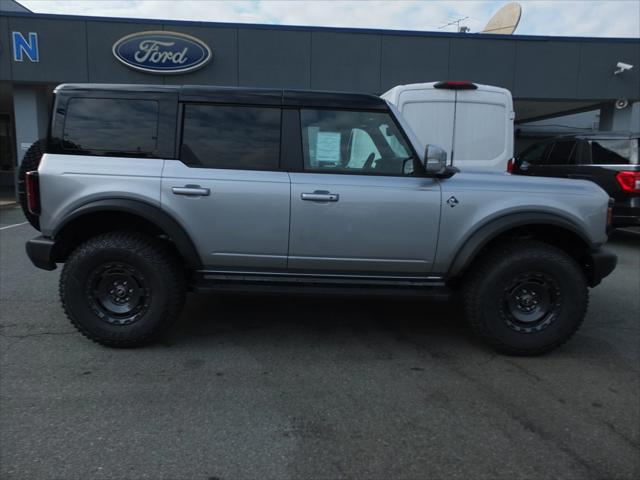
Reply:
x=23 y=47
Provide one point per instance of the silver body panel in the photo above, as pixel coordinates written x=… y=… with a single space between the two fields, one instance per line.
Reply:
x=485 y=197
x=243 y=222
x=69 y=181
x=378 y=224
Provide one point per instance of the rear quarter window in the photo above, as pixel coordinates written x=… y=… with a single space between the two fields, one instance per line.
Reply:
x=611 y=152
x=111 y=126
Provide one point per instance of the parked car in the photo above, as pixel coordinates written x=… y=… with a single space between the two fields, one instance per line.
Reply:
x=609 y=159
x=145 y=192
x=473 y=123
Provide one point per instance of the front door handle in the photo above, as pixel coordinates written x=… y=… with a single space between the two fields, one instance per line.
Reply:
x=191 y=191
x=320 y=196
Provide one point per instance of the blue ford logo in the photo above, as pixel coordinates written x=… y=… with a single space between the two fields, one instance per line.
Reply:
x=162 y=52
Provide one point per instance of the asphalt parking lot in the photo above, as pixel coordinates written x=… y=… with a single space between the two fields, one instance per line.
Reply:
x=254 y=387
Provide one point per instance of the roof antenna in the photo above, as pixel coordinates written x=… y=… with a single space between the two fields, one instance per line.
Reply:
x=461 y=29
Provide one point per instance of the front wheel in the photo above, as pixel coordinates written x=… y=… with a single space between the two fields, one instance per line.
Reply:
x=526 y=298
x=122 y=289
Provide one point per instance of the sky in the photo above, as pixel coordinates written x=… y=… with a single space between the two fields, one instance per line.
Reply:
x=597 y=18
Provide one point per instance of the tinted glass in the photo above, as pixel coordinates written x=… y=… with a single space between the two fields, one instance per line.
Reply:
x=339 y=141
x=111 y=126
x=534 y=154
x=562 y=153
x=216 y=136
x=610 y=152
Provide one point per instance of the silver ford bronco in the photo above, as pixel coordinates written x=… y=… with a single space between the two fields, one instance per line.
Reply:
x=147 y=192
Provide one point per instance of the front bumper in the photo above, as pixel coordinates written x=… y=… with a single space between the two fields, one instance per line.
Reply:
x=40 y=251
x=600 y=263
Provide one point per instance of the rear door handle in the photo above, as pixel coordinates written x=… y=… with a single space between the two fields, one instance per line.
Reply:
x=320 y=196
x=191 y=191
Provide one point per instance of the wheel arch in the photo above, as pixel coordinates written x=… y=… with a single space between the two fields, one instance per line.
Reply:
x=111 y=214
x=549 y=228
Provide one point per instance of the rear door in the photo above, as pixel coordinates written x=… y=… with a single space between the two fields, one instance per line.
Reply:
x=227 y=188
x=430 y=112
x=356 y=205
x=483 y=135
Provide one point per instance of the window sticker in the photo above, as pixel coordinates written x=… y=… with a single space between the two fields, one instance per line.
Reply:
x=328 y=147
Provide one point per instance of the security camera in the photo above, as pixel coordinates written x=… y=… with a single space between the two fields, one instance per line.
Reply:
x=621 y=103
x=622 y=67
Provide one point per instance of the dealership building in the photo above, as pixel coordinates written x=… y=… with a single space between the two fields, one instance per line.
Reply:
x=548 y=76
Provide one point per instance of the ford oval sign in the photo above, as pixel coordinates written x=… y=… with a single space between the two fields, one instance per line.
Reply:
x=162 y=52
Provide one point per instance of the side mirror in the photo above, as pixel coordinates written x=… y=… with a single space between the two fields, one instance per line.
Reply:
x=435 y=162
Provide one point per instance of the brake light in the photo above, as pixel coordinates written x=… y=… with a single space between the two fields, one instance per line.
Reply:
x=456 y=85
x=33 y=192
x=510 y=166
x=629 y=181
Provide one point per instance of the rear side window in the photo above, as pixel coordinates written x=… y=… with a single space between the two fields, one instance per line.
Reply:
x=562 y=153
x=236 y=137
x=610 y=152
x=111 y=126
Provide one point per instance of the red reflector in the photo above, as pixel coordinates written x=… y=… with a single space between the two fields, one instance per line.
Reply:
x=510 y=165
x=33 y=192
x=456 y=85
x=629 y=181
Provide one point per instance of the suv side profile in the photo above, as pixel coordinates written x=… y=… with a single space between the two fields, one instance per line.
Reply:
x=147 y=192
x=609 y=159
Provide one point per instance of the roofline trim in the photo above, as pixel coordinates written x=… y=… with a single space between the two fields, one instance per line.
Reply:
x=260 y=26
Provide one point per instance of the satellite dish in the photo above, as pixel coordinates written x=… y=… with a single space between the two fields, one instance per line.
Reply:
x=505 y=21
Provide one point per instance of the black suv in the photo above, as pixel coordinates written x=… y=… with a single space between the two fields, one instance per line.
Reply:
x=606 y=158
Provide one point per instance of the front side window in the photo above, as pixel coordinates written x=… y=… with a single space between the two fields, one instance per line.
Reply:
x=111 y=126
x=229 y=136
x=340 y=141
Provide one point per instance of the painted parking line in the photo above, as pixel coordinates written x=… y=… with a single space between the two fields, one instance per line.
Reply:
x=14 y=225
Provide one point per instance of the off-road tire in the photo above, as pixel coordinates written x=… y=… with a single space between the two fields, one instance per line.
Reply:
x=489 y=297
x=30 y=162
x=147 y=262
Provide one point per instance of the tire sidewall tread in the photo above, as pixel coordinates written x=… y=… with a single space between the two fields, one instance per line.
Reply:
x=486 y=280
x=153 y=258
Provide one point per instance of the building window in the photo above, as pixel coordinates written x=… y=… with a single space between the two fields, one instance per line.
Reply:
x=111 y=126
x=217 y=136
x=340 y=141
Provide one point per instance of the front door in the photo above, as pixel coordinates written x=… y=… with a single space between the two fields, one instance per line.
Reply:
x=227 y=189
x=357 y=207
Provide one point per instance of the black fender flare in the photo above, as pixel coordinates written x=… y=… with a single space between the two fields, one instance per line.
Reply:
x=493 y=228
x=149 y=212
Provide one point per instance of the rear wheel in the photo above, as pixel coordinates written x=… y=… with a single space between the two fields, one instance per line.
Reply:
x=525 y=299
x=122 y=289
x=30 y=162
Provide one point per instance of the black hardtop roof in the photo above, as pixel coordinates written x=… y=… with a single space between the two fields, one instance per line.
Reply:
x=241 y=95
